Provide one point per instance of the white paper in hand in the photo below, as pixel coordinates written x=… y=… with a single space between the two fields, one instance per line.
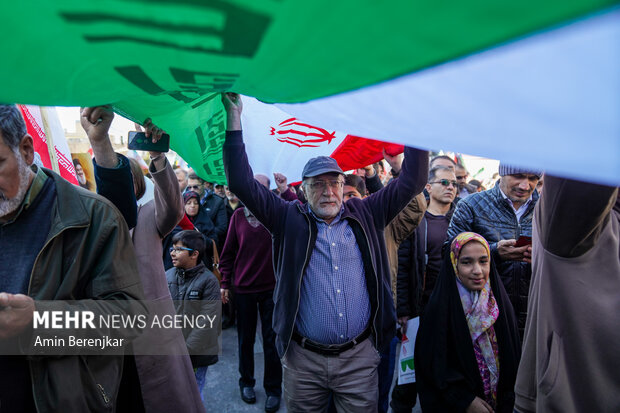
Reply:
x=406 y=367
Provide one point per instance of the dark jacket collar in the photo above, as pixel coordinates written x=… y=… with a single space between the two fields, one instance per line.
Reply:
x=496 y=194
x=190 y=273
x=202 y=216
x=73 y=213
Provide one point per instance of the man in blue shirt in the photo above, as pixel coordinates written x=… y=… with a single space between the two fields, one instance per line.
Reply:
x=333 y=302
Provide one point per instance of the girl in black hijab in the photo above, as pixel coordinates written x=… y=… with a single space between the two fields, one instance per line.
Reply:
x=467 y=348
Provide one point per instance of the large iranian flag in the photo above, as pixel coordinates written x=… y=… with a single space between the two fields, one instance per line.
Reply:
x=529 y=82
x=277 y=142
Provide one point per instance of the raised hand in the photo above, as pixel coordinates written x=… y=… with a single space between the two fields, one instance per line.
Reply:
x=151 y=131
x=232 y=102
x=369 y=171
x=281 y=182
x=395 y=161
x=96 y=122
x=234 y=106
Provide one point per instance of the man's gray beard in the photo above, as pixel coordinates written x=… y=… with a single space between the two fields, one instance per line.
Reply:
x=8 y=206
x=81 y=179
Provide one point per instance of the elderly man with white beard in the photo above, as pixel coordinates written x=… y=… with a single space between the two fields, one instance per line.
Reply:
x=333 y=306
x=57 y=242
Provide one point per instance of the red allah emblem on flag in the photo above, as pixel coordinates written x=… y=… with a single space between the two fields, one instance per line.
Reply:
x=301 y=134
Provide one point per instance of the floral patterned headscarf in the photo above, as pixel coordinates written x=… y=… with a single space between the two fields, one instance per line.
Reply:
x=481 y=312
x=462 y=239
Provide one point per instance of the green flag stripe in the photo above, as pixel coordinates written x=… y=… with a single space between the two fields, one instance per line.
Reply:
x=285 y=52
x=165 y=58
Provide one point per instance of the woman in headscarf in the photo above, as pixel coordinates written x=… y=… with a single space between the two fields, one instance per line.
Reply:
x=467 y=348
x=198 y=216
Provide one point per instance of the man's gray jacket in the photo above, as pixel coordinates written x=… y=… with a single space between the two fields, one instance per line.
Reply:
x=493 y=217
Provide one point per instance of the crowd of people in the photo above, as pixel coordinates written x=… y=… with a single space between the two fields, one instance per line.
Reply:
x=516 y=291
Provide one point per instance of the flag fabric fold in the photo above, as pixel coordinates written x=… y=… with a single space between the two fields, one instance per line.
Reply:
x=469 y=77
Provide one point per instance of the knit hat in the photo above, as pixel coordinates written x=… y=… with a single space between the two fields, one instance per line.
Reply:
x=513 y=170
x=189 y=195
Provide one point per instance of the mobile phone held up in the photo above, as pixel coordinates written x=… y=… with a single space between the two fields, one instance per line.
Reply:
x=139 y=142
x=523 y=241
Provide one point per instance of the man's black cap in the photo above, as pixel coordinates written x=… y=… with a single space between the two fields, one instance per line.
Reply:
x=320 y=165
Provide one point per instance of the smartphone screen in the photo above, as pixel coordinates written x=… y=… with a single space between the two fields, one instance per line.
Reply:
x=523 y=241
x=139 y=142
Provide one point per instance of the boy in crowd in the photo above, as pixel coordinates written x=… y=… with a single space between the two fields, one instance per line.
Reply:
x=195 y=291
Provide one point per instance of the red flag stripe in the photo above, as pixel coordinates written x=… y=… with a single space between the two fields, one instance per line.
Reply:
x=355 y=152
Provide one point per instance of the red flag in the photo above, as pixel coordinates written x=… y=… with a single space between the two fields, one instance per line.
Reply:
x=355 y=152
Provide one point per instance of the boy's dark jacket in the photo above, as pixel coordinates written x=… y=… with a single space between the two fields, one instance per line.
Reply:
x=195 y=292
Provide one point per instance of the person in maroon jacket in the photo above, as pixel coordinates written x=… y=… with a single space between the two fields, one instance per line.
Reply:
x=247 y=267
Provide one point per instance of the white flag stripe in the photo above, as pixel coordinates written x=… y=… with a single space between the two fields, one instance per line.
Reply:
x=549 y=101
x=268 y=155
x=61 y=145
x=55 y=131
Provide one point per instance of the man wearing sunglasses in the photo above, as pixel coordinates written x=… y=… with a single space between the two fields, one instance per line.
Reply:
x=464 y=188
x=333 y=306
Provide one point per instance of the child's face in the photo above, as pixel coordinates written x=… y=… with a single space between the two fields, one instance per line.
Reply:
x=182 y=258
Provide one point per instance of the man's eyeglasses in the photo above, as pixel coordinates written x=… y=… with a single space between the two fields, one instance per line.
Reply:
x=179 y=249
x=461 y=177
x=191 y=187
x=321 y=185
x=446 y=182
